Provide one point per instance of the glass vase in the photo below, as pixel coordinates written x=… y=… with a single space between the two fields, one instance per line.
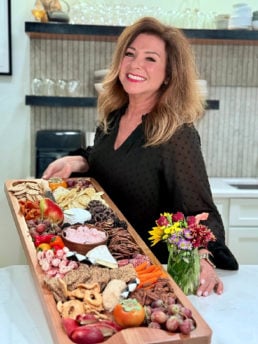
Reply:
x=184 y=268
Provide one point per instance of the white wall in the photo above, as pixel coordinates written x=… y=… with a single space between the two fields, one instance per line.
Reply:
x=15 y=116
x=14 y=130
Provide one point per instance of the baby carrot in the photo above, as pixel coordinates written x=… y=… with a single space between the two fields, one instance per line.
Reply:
x=141 y=266
x=148 y=282
x=149 y=275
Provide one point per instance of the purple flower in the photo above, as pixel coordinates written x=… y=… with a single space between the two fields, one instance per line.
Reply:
x=184 y=245
x=173 y=239
x=188 y=233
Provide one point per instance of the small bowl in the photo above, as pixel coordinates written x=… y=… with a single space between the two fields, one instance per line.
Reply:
x=98 y=87
x=255 y=24
x=83 y=248
x=101 y=73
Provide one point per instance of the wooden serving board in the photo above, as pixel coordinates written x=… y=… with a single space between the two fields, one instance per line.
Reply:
x=140 y=335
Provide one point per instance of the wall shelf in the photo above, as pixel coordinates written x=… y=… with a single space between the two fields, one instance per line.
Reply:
x=84 y=102
x=61 y=101
x=80 y=32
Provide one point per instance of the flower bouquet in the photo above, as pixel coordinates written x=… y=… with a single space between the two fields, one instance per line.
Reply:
x=184 y=236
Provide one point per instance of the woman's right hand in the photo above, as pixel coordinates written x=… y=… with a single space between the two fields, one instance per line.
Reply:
x=65 y=166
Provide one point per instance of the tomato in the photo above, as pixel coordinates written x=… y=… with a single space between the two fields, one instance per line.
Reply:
x=56 y=241
x=56 y=182
x=129 y=313
x=43 y=247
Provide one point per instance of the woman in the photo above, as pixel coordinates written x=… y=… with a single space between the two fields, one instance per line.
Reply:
x=147 y=153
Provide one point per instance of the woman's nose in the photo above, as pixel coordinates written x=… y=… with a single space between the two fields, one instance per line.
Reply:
x=136 y=61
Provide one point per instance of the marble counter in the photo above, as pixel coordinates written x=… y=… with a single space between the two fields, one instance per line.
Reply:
x=222 y=187
x=232 y=315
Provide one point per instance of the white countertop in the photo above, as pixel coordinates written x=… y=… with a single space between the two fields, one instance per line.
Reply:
x=232 y=315
x=221 y=187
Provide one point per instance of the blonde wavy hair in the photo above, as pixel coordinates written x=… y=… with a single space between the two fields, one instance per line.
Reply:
x=179 y=101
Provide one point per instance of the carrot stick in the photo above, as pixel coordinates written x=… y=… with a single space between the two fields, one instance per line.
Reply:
x=150 y=268
x=141 y=266
x=146 y=276
x=148 y=282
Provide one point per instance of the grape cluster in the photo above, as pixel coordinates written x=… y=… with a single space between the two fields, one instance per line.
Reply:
x=170 y=316
x=42 y=227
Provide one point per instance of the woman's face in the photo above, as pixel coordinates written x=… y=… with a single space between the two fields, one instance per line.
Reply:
x=143 y=67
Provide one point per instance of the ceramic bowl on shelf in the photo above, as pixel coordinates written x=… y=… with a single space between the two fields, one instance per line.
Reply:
x=221 y=21
x=98 y=87
x=241 y=17
x=255 y=24
x=100 y=74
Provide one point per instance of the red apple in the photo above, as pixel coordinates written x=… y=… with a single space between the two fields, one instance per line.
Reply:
x=51 y=211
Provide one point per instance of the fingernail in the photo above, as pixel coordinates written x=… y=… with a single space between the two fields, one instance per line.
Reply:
x=199 y=293
x=205 y=293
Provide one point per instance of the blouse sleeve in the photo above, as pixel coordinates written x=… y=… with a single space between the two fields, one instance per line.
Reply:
x=189 y=188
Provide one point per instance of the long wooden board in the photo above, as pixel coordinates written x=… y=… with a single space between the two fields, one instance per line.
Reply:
x=201 y=335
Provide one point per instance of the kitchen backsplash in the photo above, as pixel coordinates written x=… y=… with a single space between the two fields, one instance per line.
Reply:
x=229 y=135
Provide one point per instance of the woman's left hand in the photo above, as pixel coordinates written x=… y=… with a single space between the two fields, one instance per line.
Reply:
x=209 y=280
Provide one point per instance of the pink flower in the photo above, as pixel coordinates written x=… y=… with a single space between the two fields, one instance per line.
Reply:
x=162 y=221
x=195 y=220
x=191 y=220
x=201 y=217
x=178 y=217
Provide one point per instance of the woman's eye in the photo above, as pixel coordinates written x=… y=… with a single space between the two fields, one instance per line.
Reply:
x=150 y=59
x=128 y=53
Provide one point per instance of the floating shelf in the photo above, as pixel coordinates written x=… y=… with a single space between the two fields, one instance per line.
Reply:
x=84 y=102
x=61 y=101
x=80 y=31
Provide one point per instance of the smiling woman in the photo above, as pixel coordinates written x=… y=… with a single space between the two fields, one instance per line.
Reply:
x=147 y=152
x=5 y=38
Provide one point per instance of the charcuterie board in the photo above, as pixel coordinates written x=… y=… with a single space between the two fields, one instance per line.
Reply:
x=137 y=335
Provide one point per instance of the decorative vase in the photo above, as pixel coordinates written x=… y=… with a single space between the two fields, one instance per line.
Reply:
x=184 y=268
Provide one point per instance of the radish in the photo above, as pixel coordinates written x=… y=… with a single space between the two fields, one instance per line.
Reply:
x=87 y=335
x=85 y=319
x=69 y=325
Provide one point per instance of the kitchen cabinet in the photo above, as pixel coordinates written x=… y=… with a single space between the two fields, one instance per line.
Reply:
x=243 y=230
x=243 y=242
x=223 y=208
x=243 y=212
x=240 y=218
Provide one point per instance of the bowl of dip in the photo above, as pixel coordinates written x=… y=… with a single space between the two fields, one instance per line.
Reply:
x=83 y=238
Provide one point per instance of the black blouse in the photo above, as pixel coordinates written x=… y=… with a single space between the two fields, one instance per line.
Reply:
x=144 y=182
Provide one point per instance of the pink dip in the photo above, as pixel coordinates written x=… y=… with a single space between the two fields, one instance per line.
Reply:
x=84 y=235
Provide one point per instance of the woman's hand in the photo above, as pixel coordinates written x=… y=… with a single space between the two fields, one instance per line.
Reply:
x=209 y=280
x=65 y=166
